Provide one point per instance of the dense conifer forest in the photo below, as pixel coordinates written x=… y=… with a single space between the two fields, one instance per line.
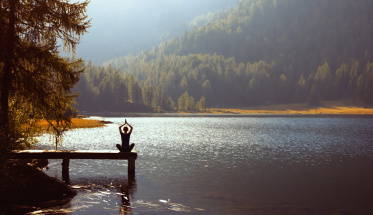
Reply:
x=260 y=52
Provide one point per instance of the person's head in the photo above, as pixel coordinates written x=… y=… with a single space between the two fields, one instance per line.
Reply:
x=125 y=129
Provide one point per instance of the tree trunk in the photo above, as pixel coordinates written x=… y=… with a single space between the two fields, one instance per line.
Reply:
x=7 y=75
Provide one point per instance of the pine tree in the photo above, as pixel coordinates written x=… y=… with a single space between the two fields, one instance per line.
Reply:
x=183 y=101
x=32 y=73
x=201 y=104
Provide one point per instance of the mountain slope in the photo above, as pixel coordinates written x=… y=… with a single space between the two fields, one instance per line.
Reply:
x=297 y=32
x=264 y=52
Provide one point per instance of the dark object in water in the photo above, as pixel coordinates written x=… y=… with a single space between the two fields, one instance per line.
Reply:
x=106 y=122
x=40 y=163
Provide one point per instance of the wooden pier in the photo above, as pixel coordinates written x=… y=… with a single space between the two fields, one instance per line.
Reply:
x=66 y=155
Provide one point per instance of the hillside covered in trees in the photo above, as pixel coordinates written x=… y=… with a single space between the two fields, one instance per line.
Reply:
x=260 y=52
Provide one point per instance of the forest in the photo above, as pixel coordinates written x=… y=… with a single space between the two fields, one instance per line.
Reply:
x=261 y=52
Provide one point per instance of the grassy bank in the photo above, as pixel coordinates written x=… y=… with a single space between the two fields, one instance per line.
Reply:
x=86 y=123
x=77 y=123
x=328 y=107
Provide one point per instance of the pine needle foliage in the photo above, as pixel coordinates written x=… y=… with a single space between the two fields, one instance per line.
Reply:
x=35 y=80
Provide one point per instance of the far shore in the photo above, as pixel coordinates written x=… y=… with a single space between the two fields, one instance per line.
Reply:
x=329 y=107
x=341 y=107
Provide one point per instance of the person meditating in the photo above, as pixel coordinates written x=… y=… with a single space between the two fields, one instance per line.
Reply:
x=125 y=134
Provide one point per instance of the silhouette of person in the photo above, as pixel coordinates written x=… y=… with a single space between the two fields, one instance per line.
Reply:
x=125 y=134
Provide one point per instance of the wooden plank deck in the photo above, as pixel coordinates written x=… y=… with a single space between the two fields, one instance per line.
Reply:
x=66 y=155
x=73 y=154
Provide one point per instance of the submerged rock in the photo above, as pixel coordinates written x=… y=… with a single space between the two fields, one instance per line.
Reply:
x=40 y=185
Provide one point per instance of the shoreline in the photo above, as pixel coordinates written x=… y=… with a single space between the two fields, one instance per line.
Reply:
x=325 y=108
x=77 y=123
x=338 y=107
x=336 y=110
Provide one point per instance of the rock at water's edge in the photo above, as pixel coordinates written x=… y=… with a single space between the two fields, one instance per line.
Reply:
x=27 y=185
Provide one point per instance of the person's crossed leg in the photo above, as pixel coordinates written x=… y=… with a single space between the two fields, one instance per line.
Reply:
x=125 y=149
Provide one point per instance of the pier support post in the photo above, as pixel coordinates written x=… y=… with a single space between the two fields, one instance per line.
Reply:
x=131 y=164
x=65 y=170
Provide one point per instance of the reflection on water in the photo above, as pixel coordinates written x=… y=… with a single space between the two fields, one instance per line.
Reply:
x=108 y=195
x=127 y=191
x=226 y=165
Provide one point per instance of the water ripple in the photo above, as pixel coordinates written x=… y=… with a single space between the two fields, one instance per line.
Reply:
x=188 y=159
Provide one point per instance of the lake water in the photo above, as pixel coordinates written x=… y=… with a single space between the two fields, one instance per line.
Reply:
x=224 y=165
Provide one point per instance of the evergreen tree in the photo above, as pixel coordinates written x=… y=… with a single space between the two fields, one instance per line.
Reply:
x=201 y=104
x=322 y=80
x=185 y=103
x=300 y=90
x=368 y=85
x=32 y=73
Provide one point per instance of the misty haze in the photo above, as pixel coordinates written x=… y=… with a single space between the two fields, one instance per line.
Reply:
x=127 y=27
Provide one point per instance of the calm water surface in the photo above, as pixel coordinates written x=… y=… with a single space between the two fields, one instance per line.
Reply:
x=224 y=165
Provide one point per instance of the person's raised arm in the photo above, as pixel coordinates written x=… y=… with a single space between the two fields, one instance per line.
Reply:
x=120 y=128
x=130 y=128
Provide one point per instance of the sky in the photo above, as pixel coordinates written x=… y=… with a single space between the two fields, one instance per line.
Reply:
x=121 y=27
